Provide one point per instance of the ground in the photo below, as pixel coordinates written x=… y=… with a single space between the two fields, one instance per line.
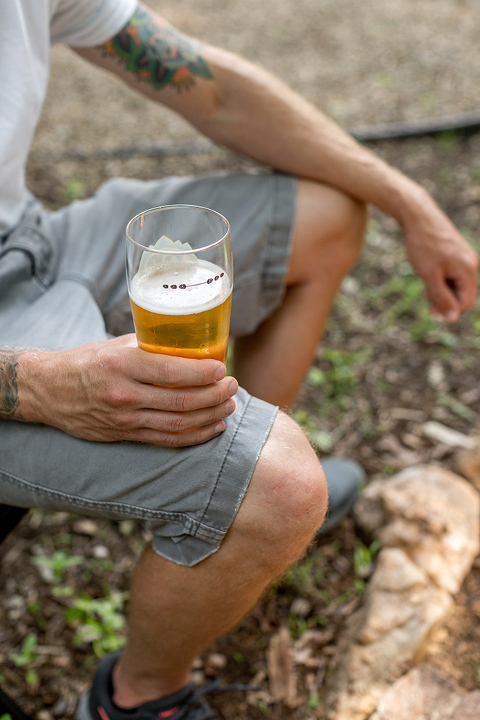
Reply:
x=384 y=369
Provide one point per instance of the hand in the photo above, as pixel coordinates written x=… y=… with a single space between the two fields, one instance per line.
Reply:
x=443 y=259
x=112 y=390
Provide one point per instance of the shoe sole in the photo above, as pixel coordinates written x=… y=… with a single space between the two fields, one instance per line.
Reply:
x=83 y=711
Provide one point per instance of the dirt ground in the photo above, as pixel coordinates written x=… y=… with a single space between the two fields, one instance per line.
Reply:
x=384 y=368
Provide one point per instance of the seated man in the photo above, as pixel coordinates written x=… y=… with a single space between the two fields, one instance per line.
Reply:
x=230 y=488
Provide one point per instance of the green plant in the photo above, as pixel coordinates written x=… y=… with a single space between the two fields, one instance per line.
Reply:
x=363 y=557
x=299 y=625
x=98 y=621
x=28 y=653
x=426 y=328
x=340 y=377
x=36 y=611
x=57 y=564
x=314 y=700
x=75 y=189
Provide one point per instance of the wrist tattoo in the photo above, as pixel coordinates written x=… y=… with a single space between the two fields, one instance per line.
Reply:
x=157 y=53
x=9 y=400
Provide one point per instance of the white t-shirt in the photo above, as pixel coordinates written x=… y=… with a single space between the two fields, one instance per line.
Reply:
x=27 y=29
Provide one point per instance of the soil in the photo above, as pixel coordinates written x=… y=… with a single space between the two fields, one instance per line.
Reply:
x=384 y=368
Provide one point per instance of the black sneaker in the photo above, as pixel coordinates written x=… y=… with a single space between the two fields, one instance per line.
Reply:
x=344 y=480
x=186 y=704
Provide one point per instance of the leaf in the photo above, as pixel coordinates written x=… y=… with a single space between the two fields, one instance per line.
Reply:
x=281 y=672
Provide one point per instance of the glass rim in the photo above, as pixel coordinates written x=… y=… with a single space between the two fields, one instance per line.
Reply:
x=158 y=251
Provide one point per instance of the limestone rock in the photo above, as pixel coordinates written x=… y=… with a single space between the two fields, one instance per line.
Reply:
x=427 y=520
x=425 y=693
x=386 y=636
x=430 y=512
x=401 y=598
x=468 y=463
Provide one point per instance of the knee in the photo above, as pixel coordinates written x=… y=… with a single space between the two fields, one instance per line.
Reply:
x=287 y=497
x=350 y=232
x=333 y=220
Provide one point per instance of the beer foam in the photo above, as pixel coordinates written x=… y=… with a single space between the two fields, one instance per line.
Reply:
x=150 y=260
x=183 y=288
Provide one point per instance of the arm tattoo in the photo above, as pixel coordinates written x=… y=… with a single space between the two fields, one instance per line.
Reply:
x=9 y=402
x=156 y=53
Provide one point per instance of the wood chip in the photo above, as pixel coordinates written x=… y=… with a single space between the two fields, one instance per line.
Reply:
x=280 y=669
x=441 y=433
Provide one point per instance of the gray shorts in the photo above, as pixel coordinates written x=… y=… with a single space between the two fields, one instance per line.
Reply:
x=62 y=284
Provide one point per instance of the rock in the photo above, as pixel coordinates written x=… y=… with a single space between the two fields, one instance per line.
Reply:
x=301 y=607
x=425 y=693
x=427 y=520
x=402 y=598
x=217 y=661
x=402 y=608
x=468 y=463
x=433 y=514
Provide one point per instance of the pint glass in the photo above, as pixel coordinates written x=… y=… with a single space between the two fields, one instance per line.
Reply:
x=180 y=278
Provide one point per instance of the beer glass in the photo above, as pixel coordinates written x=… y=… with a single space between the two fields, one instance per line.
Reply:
x=180 y=279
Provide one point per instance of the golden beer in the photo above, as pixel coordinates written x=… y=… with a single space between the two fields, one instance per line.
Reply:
x=183 y=310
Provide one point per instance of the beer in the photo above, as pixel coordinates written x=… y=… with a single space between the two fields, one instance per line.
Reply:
x=182 y=308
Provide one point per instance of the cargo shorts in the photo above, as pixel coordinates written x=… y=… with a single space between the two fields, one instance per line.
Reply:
x=62 y=284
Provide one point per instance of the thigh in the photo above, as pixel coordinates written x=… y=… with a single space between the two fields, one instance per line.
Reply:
x=35 y=309
x=186 y=497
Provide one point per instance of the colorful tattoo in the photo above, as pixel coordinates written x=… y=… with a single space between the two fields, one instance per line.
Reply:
x=158 y=54
x=9 y=402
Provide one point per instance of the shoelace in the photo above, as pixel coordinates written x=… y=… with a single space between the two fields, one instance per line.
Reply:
x=196 y=707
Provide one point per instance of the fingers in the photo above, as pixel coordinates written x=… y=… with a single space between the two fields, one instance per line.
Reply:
x=173 y=371
x=185 y=400
x=177 y=423
x=453 y=293
x=196 y=436
x=443 y=300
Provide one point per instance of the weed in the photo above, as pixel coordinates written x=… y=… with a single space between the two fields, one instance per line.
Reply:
x=425 y=328
x=305 y=576
x=36 y=611
x=298 y=625
x=28 y=653
x=55 y=566
x=338 y=380
x=99 y=621
x=363 y=557
x=74 y=189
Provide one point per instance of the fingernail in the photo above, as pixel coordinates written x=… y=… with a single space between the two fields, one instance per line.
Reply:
x=220 y=427
x=221 y=372
x=229 y=408
x=232 y=388
x=451 y=316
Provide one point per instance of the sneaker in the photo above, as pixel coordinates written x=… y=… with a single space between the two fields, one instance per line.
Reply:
x=344 y=480
x=186 y=704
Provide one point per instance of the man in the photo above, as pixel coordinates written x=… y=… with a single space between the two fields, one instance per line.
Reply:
x=230 y=489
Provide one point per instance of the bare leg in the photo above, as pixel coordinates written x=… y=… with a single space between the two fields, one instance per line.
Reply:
x=328 y=236
x=177 y=611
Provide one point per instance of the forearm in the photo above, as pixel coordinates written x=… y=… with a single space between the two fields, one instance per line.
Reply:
x=18 y=379
x=242 y=106
x=261 y=117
